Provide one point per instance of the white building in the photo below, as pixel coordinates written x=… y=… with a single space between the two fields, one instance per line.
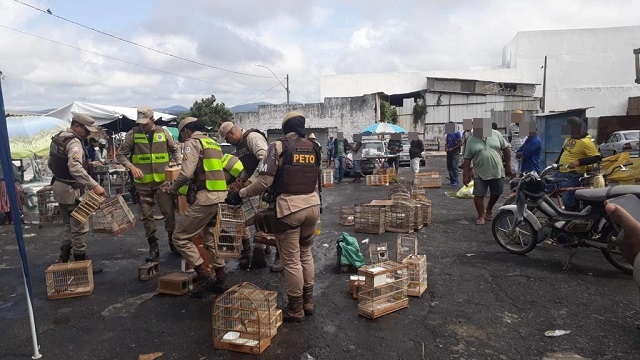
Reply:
x=585 y=67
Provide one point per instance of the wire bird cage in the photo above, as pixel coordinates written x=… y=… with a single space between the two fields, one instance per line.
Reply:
x=327 y=178
x=250 y=206
x=369 y=219
x=401 y=216
x=417 y=274
x=113 y=217
x=347 y=215
x=48 y=208
x=229 y=231
x=384 y=289
x=71 y=279
x=406 y=245
x=378 y=252
x=245 y=318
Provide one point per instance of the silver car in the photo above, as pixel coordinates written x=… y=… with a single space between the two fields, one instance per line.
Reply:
x=621 y=141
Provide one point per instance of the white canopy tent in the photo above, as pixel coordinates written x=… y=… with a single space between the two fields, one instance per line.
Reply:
x=103 y=114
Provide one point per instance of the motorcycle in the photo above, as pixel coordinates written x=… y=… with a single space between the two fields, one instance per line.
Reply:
x=518 y=230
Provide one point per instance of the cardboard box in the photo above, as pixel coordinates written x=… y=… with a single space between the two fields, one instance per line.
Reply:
x=171 y=173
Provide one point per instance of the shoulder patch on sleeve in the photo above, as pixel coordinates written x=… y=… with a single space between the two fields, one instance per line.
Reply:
x=187 y=149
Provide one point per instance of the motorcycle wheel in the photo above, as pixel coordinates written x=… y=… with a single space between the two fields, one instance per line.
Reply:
x=612 y=252
x=524 y=239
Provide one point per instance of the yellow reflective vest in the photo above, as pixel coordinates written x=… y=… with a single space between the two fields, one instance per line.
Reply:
x=211 y=169
x=151 y=156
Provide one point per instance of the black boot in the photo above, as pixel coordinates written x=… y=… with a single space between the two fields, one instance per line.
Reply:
x=172 y=247
x=258 y=259
x=294 y=312
x=219 y=285
x=154 y=250
x=205 y=281
x=82 y=257
x=65 y=254
x=245 y=254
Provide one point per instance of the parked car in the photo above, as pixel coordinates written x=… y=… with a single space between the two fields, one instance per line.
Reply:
x=227 y=148
x=621 y=141
x=369 y=147
x=404 y=155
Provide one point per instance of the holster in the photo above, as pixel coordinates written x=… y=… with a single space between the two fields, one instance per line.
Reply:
x=265 y=221
x=192 y=191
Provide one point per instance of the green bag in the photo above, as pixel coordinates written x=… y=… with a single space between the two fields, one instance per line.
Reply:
x=349 y=251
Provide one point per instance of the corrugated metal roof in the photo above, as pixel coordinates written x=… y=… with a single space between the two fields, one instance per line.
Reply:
x=459 y=79
x=563 y=111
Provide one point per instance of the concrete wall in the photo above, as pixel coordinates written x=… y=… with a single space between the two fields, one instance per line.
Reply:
x=349 y=115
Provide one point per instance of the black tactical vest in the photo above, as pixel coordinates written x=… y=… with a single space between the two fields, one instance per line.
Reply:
x=247 y=157
x=59 y=161
x=298 y=173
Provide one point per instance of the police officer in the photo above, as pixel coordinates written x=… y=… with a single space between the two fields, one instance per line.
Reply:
x=290 y=170
x=202 y=163
x=69 y=163
x=149 y=147
x=251 y=146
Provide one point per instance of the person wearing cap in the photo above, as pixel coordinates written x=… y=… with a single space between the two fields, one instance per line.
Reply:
x=102 y=150
x=203 y=164
x=69 y=163
x=146 y=151
x=289 y=171
x=251 y=146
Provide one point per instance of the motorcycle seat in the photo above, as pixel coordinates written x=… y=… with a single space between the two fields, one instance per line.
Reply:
x=551 y=180
x=603 y=194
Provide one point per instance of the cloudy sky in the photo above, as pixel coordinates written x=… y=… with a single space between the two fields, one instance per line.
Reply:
x=167 y=52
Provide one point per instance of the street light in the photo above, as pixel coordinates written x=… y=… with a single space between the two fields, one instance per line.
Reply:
x=279 y=81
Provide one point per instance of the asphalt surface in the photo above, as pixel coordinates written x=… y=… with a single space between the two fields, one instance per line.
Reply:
x=482 y=303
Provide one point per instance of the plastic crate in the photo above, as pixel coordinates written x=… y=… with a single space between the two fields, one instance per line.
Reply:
x=72 y=279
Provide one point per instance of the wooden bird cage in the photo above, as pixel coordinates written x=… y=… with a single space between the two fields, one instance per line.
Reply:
x=327 y=178
x=426 y=212
x=113 y=217
x=229 y=231
x=417 y=274
x=378 y=252
x=90 y=202
x=369 y=219
x=377 y=180
x=384 y=289
x=347 y=215
x=418 y=194
x=400 y=217
x=427 y=180
x=71 y=279
x=406 y=245
x=400 y=196
x=245 y=318
x=250 y=206
x=418 y=217
x=390 y=172
x=48 y=208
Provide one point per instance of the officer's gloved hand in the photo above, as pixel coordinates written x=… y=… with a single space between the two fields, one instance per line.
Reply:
x=233 y=198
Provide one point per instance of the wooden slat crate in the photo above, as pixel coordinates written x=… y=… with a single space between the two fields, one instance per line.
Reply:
x=390 y=172
x=148 y=271
x=347 y=215
x=48 y=208
x=384 y=289
x=426 y=212
x=229 y=231
x=377 y=180
x=369 y=219
x=178 y=283
x=427 y=180
x=401 y=217
x=406 y=245
x=71 y=279
x=417 y=274
x=90 y=203
x=113 y=217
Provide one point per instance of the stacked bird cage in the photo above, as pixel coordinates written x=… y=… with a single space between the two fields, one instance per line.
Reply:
x=378 y=252
x=244 y=319
x=395 y=188
x=400 y=196
x=369 y=219
x=229 y=231
x=418 y=194
x=427 y=180
x=48 y=208
x=71 y=279
x=406 y=245
x=426 y=212
x=327 y=178
x=384 y=289
x=347 y=215
x=417 y=274
x=401 y=216
x=377 y=180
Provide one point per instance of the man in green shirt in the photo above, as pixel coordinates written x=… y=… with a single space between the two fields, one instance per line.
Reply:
x=484 y=152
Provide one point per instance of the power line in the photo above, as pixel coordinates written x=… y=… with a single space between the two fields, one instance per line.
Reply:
x=125 y=61
x=255 y=97
x=48 y=12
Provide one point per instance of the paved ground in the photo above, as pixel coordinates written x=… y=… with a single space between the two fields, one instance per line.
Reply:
x=482 y=302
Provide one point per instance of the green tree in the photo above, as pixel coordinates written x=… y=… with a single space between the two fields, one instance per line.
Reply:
x=211 y=113
x=388 y=113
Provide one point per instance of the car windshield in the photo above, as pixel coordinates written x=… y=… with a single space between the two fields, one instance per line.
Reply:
x=631 y=135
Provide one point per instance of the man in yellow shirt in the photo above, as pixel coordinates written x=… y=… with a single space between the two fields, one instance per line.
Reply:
x=578 y=151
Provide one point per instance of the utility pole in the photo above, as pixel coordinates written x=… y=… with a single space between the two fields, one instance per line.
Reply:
x=287 y=88
x=279 y=81
x=544 y=86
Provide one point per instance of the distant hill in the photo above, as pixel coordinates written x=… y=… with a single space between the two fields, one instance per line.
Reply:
x=251 y=107
x=174 y=110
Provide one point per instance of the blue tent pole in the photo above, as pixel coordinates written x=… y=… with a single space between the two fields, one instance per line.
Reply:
x=9 y=180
